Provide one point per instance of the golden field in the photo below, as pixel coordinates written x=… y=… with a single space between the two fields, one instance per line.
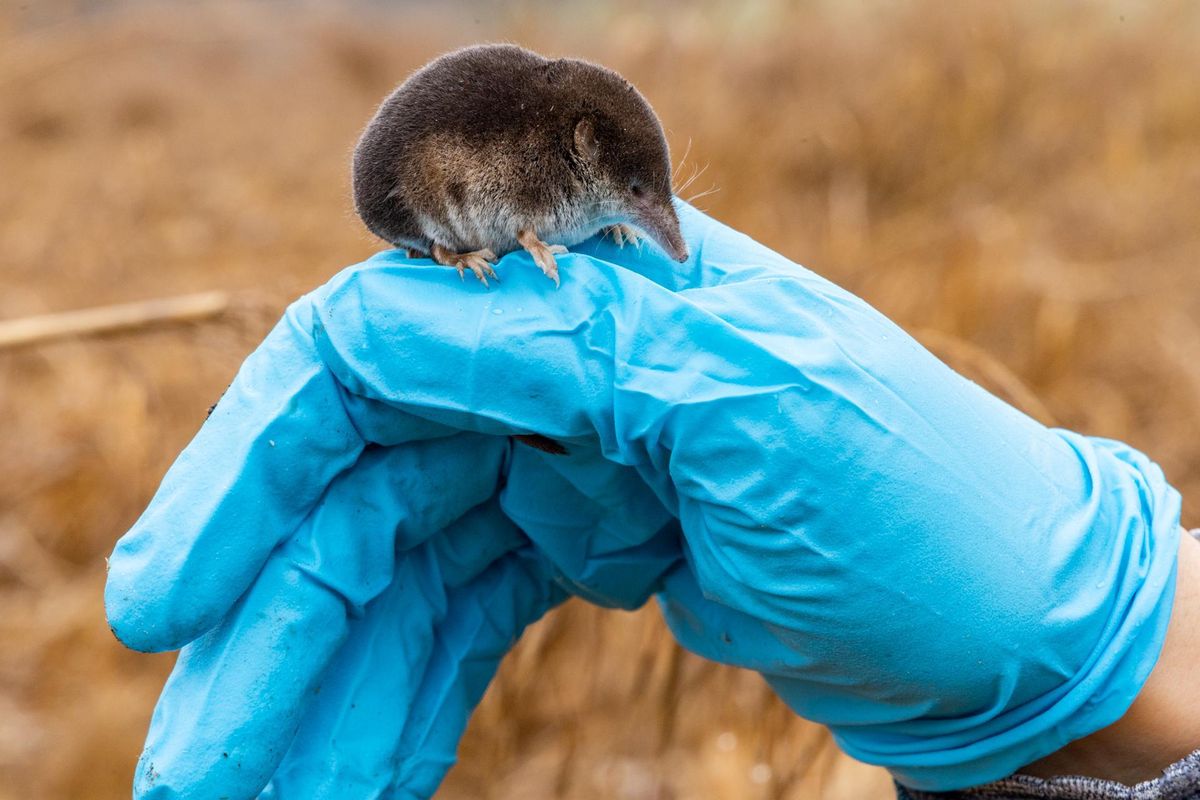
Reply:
x=1021 y=177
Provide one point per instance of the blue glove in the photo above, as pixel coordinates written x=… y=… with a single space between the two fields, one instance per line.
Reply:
x=346 y=583
x=951 y=587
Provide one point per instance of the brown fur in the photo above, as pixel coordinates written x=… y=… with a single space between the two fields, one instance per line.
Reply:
x=488 y=140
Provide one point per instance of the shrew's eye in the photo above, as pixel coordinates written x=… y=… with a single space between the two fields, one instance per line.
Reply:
x=636 y=189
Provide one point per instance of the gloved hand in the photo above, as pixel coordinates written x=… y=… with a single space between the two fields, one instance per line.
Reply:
x=346 y=583
x=951 y=587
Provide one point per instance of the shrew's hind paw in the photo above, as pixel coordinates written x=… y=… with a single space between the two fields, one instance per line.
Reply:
x=478 y=261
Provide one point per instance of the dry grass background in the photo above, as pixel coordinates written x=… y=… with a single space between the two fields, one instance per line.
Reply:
x=1024 y=177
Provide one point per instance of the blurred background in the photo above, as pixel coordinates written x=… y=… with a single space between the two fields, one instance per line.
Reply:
x=1016 y=180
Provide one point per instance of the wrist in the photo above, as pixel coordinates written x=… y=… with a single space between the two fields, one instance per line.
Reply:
x=1161 y=726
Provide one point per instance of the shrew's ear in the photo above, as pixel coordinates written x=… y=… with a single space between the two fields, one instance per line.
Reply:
x=585 y=140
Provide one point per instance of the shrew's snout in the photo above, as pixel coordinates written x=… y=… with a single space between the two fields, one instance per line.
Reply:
x=662 y=224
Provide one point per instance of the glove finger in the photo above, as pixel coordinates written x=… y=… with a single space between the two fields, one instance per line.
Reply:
x=272 y=445
x=232 y=704
x=233 y=701
x=520 y=361
x=393 y=500
x=598 y=523
x=483 y=621
x=398 y=695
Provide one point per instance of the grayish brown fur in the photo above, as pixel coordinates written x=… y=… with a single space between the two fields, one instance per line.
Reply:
x=491 y=140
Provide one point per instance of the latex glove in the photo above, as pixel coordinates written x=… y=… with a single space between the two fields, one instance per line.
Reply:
x=347 y=603
x=953 y=588
x=950 y=586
